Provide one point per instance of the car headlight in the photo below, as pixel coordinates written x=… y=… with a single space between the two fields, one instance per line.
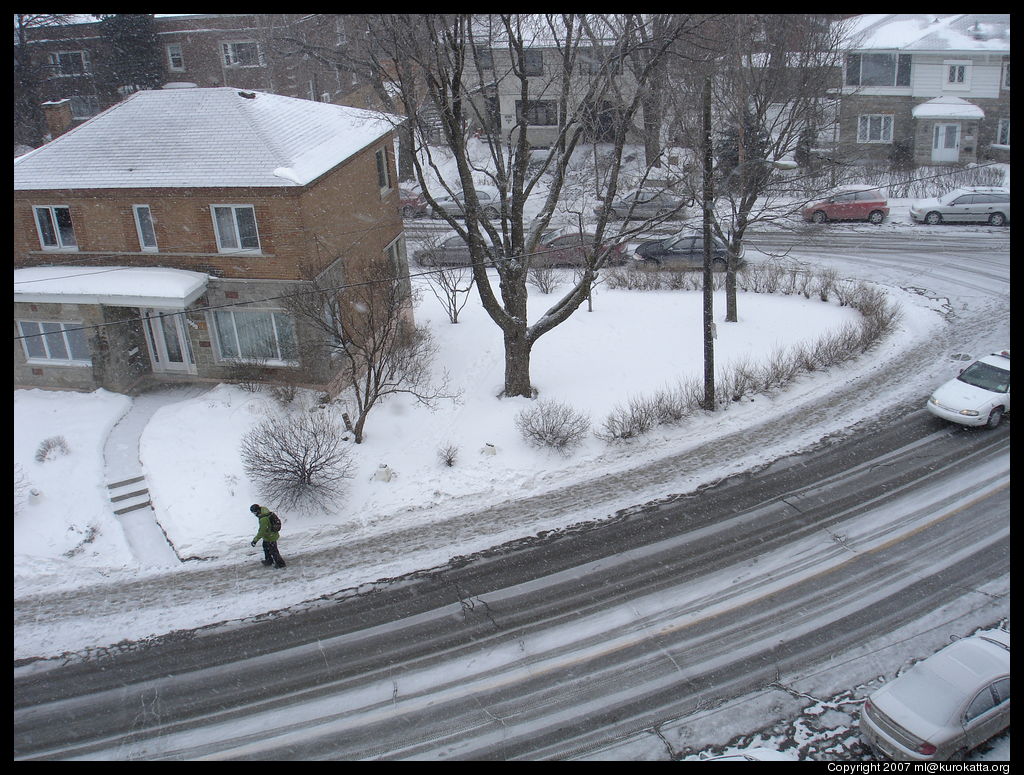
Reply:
x=970 y=412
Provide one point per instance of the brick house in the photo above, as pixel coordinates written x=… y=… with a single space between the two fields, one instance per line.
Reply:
x=155 y=241
x=247 y=51
x=934 y=87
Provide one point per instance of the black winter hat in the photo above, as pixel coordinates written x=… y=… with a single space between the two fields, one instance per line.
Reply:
x=255 y=508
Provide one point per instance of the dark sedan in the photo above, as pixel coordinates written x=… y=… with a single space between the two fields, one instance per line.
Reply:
x=683 y=251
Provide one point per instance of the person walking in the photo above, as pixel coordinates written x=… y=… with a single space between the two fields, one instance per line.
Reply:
x=270 y=527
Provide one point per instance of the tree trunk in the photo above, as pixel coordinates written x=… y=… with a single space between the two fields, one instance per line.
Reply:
x=517 y=365
x=731 y=314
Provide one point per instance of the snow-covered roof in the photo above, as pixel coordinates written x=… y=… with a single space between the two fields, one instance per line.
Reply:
x=115 y=286
x=930 y=32
x=202 y=138
x=947 y=107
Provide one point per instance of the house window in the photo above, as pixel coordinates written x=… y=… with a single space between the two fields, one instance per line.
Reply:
x=533 y=62
x=243 y=53
x=1006 y=75
x=84 y=106
x=64 y=342
x=255 y=335
x=383 y=171
x=958 y=74
x=236 y=228
x=538 y=112
x=1003 y=135
x=56 y=232
x=145 y=228
x=878 y=70
x=71 y=62
x=594 y=61
x=874 y=129
x=175 y=58
x=485 y=58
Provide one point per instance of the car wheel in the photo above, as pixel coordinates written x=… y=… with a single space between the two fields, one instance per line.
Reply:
x=490 y=212
x=997 y=219
x=651 y=263
x=719 y=265
x=994 y=418
x=933 y=219
x=960 y=755
x=876 y=216
x=613 y=214
x=819 y=216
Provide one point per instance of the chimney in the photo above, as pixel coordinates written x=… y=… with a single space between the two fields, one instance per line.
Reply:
x=58 y=117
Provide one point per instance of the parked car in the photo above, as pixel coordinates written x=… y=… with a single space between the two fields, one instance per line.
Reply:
x=490 y=203
x=944 y=706
x=981 y=205
x=861 y=203
x=979 y=396
x=683 y=251
x=646 y=202
x=449 y=250
x=412 y=203
x=567 y=247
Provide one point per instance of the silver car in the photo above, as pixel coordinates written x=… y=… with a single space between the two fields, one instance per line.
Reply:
x=490 y=203
x=945 y=706
x=644 y=203
x=978 y=205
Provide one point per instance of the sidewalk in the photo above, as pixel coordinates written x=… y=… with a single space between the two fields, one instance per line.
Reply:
x=126 y=480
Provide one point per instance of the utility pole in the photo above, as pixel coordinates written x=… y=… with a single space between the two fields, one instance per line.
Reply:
x=709 y=296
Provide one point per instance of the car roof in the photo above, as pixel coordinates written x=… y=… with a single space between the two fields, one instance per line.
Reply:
x=980 y=190
x=1000 y=360
x=936 y=687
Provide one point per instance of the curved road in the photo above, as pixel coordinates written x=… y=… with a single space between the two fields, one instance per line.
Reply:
x=552 y=646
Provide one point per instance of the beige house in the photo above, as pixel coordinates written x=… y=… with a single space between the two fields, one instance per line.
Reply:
x=155 y=241
x=935 y=87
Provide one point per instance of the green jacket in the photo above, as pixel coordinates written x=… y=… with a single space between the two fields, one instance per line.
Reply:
x=265 y=532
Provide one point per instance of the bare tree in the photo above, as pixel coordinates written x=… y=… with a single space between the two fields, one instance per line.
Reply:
x=450 y=68
x=772 y=76
x=366 y=325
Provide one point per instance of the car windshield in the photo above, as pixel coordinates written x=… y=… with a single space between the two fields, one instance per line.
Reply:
x=987 y=377
x=947 y=198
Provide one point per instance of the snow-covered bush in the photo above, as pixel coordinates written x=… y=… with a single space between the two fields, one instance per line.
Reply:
x=552 y=424
x=51 y=448
x=299 y=460
x=630 y=420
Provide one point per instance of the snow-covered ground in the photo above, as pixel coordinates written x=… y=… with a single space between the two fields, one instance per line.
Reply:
x=633 y=343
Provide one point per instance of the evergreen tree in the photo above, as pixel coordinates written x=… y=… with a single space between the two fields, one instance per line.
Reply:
x=133 y=60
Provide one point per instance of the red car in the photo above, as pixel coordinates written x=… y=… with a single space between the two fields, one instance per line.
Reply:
x=860 y=203
x=411 y=203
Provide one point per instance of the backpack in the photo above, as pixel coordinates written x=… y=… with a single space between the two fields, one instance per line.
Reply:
x=275 y=522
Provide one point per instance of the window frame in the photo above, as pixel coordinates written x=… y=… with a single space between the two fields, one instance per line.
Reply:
x=180 y=67
x=221 y=246
x=70 y=345
x=83 y=55
x=865 y=137
x=385 y=181
x=217 y=315
x=526 y=112
x=902 y=71
x=1003 y=130
x=155 y=247
x=229 y=57
x=533 y=62
x=1004 y=78
x=55 y=227
x=962 y=83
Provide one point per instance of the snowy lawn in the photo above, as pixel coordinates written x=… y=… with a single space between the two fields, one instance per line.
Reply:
x=632 y=343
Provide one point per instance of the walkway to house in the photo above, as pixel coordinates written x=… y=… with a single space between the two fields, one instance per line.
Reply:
x=126 y=481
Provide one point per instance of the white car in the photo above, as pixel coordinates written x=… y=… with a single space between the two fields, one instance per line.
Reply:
x=979 y=396
x=944 y=706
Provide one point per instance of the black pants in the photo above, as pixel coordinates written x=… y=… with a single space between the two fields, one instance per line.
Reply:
x=271 y=554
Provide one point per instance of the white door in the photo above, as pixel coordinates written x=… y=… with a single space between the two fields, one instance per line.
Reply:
x=946 y=143
x=169 y=346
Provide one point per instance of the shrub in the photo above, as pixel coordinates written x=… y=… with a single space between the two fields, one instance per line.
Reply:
x=51 y=448
x=630 y=421
x=248 y=375
x=448 y=454
x=544 y=278
x=299 y=460
x=552 y=424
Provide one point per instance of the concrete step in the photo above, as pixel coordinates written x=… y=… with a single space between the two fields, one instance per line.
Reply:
x=128 y=496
